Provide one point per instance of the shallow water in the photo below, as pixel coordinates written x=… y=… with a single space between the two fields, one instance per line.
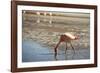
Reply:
x=34 y=52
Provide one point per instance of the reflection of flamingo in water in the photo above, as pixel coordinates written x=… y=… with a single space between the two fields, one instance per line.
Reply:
x=67 y=38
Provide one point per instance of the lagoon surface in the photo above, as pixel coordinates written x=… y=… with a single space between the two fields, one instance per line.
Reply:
x=35 y=52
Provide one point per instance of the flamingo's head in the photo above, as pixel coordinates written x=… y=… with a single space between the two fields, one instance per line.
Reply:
x=77 y=37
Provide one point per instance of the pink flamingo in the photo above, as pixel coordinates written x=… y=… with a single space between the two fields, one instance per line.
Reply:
x=67 y=38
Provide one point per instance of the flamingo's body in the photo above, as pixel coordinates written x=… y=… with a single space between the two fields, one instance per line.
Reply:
x=67 y=38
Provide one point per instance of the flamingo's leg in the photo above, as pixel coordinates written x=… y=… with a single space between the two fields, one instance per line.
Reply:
x=56 y=48
x=66 y=47
x=72 y=47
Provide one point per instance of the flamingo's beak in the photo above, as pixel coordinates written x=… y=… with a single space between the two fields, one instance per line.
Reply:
x=78 y=37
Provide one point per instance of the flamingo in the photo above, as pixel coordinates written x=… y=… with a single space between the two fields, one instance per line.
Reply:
x=38 y=19
x=67 y=38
